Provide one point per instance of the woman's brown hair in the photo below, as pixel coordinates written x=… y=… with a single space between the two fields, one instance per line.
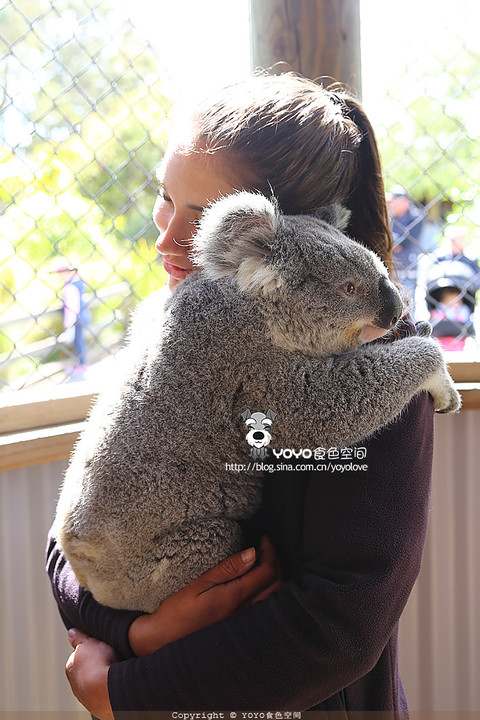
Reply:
x=308 y=145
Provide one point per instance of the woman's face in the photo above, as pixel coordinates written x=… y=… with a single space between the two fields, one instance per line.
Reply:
x=187 y=183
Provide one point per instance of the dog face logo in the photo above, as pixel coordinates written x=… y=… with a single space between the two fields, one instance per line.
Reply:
x=258 y=436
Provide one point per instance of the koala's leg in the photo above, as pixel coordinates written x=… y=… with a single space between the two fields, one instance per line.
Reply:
x=95 y=559
x=170 y=562
x=350 y=396
x=190 y=549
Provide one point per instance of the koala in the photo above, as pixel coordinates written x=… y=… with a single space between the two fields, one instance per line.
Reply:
x=277 y=320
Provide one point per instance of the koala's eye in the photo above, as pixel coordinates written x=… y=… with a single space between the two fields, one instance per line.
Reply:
x=349 y=288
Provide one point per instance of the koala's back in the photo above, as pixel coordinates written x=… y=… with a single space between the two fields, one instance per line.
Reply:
x=153 y=455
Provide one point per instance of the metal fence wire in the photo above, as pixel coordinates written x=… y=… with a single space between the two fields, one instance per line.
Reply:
x=83 y=124
x=428 y=131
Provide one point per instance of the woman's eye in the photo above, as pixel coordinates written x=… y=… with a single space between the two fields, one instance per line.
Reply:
x=349 y=288
x=162 y=196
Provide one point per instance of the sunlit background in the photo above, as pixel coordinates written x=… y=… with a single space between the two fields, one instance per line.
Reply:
x=87 y=91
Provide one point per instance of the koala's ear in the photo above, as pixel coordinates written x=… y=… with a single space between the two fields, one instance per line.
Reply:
x=335 y=214
x=237 y=229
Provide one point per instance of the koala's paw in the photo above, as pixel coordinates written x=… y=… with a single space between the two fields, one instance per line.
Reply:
x=446 y=399
x=424 y=329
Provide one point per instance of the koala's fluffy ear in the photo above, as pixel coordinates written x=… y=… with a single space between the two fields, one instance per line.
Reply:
x=335 y=215
x=237 y=230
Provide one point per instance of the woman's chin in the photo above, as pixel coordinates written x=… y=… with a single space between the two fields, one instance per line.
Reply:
x=173 y=282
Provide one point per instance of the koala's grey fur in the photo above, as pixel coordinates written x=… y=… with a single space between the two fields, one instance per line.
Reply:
x=270 y=321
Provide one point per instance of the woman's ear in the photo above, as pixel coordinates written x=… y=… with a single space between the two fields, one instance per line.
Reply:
x=237 y=228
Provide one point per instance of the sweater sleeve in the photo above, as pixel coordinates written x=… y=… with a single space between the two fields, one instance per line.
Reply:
x=361 y=540
x=79 y=609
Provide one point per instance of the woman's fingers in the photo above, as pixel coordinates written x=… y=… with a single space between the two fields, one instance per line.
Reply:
x=231 y=567
x=261 y=579
x=237 y=581
x=276 y=585
x=87 y=672
x=75 y=637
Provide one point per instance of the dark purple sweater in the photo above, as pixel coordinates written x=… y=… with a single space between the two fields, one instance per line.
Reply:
x=350 y=545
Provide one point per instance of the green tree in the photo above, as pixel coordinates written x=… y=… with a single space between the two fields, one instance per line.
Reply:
x=84 y=123
x=430 y=145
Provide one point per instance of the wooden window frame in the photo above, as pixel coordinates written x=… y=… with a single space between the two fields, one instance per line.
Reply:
x=43 y=425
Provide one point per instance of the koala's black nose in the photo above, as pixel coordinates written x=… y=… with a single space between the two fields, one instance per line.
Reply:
x=391 y=306
x=258 y=435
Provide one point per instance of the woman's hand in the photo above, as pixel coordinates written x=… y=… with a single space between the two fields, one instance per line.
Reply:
x=87 y=670
x=232 y=584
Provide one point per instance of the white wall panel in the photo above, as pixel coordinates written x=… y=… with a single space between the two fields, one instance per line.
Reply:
x=34 y=645
x=440 y=628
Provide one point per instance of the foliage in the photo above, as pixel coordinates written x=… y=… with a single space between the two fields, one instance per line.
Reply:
x=84 y=123
x=429 y=140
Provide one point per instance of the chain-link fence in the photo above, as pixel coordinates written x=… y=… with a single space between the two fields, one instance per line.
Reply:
x=83 y=124
x=422 y=91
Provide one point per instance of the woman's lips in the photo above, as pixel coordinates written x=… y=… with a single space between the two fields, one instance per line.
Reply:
x=175 y=271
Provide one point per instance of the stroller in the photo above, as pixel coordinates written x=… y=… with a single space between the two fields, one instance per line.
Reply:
x=451 y=285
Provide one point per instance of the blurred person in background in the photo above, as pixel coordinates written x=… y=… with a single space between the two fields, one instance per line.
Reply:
x=452 y=282
x=76 y=314
x=406 y=222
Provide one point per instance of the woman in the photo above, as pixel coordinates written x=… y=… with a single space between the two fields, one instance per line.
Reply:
x=347 y=545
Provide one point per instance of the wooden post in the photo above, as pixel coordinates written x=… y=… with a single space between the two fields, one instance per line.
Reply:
x=318 y=38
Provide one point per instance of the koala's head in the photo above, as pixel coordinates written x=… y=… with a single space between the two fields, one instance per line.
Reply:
x=319 y=290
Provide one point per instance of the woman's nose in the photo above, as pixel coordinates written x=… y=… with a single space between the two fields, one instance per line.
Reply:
x=165 y=243
x=173 y=240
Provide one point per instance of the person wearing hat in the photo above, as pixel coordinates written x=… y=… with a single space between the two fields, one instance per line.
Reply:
x=452 y=282
x=76 y=314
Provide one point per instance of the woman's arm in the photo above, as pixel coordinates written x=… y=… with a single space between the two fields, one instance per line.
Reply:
x=233 y=583
x=362 y=537
x=203 y=602
x=79 y=609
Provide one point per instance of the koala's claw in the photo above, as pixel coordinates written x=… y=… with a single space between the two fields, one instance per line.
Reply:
x=451 y=404
x=440 y=385
x=423 y=328
x=446 y=399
